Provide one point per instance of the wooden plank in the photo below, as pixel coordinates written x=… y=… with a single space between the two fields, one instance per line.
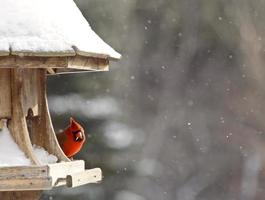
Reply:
x=22 y=195
x=23 y=172
x=87 y=63
x=85 y=177
x=5 y=97
x=25 y=184
x=75 y=71
x=33 y=62
x=80 y=64
x=59 y=171
x=56 y=64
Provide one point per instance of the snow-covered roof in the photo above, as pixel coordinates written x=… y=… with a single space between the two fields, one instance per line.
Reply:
x=48 y=28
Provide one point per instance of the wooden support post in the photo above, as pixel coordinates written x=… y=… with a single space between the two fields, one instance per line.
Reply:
x=20 y=93
x=5 y=96
x=42 y=132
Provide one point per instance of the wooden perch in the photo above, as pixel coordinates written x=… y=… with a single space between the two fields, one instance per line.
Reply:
x=85 y=177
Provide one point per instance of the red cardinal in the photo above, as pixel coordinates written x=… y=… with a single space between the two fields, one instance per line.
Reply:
x=72 y=138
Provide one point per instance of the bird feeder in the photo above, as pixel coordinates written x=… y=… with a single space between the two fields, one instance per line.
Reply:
x=40 y=38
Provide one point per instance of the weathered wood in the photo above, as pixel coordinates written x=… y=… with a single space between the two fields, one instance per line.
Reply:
x=23 y=171
x=85 y=177
x=26 y=195
x=37 y=178
x=24 y=178
x=5 y=93
x=56 y=64
x=87 y=63
x=79 y=64
x=30 y=123
x=24 y=184
x=18 y=125
x=59 y=171
x=30 y=90
x=72 y=174
x=41 y=130
x=32 y=62
x=29 y=97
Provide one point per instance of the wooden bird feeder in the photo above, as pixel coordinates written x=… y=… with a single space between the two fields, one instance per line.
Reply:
x=38 y=38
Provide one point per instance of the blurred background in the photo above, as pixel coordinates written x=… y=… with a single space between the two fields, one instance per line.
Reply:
x=182 y=115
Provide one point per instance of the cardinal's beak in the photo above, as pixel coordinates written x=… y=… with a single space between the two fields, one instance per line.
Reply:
x=78 y=136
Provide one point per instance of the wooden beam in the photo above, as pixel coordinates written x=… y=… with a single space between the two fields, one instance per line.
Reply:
x=33 y=62
x=74 y=62
x=57 y=65
x=79 y=64
x=84 y=177
x=24 y=178
x=26 y=184
x=87 y=63
x=23 y=172
x=76 y=71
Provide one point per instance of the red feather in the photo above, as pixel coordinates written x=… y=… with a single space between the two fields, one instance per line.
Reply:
x=72 y=138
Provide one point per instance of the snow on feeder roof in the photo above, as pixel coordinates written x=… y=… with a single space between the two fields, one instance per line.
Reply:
x=53 y=29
